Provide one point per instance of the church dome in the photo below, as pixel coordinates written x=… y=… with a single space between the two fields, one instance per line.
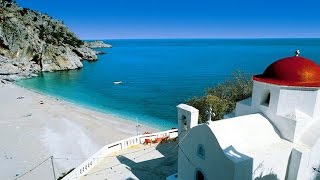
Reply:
x=291 y=71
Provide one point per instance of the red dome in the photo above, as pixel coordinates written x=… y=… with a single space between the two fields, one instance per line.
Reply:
x=291 y=71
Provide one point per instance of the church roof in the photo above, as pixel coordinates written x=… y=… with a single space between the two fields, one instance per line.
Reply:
x=245 y=132
x=291 y=71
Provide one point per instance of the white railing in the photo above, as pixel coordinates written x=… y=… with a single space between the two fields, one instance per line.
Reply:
x=96 y=158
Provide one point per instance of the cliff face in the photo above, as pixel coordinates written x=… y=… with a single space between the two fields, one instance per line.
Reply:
x=37 y=42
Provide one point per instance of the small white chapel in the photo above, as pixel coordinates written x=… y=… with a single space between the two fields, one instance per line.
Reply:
x=275 y=134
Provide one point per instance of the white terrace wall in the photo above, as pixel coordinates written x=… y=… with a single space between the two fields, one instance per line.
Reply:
x=96 y=158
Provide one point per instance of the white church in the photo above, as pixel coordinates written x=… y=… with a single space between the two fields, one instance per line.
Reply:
x=275 y=134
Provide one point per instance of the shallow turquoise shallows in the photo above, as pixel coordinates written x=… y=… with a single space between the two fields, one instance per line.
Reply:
x=157 y=75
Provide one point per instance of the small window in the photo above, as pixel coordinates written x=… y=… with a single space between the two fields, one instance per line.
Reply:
x=201 y=151
x=265 y=99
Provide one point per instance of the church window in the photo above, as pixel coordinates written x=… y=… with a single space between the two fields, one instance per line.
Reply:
x=265 y=99
x=201 y=151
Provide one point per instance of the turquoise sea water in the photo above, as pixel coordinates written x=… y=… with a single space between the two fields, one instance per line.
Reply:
x=157 y=75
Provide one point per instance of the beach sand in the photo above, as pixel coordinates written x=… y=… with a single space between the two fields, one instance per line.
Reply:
x=34 y=127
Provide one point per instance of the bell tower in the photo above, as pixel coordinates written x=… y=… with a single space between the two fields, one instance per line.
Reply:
x=187 y=118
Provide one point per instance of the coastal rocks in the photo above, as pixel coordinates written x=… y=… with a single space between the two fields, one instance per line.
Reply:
x=34 y=42
x=61 y=58
x=100 y=52
x=10 y=70
x=97 y=44
x=86 y=53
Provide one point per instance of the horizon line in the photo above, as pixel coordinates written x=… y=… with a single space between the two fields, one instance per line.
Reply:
x=225 y=38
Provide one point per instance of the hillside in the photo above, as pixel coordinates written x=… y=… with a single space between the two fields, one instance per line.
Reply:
x=31 y=42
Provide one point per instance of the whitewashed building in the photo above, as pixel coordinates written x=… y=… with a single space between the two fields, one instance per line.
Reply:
x=275 y=134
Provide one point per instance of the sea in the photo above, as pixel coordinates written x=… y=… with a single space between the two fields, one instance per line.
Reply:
x=159 y=74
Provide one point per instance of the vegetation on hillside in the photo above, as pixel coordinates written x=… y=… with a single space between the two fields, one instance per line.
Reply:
x=38 y=41
x=222 y=98
x=49 y=30
x=58 y=35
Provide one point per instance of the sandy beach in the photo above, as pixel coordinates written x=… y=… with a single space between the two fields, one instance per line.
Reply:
x=34 y=127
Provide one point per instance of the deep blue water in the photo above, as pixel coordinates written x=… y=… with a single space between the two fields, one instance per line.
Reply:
x=157 y=75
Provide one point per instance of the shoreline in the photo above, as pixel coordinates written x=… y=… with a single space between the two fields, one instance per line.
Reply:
x=35 y=126
x=91 y=108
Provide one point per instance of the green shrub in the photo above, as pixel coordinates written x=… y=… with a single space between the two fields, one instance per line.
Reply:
x=58 y=36
x=217 y=104
x=23 y=11
x=42 y=32
x=72 y=40
x=222 y=98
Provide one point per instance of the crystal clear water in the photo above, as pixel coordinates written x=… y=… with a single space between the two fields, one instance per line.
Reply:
x=157 y=75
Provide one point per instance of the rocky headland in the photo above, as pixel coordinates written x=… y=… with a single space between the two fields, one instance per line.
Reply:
x=97 y=44
x=31 y=42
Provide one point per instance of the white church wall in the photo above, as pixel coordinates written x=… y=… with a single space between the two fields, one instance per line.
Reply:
x=303 y=122
x=271 y=162
x=242 y=158
x=291 y=99
x=311 y=141
x=307 y=162
x=254 y=136
x=299 y=162
x=296 y=164
x=283 y=126
x=294 y=111
x=260 y=92
x=316 y=113
x=314 y=163
x=286 y=127
x=259 y=96
x=289 y=109
x=281 y=109
x=214 y=164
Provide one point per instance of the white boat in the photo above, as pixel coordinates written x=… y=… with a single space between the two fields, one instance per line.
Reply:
x=117 y=82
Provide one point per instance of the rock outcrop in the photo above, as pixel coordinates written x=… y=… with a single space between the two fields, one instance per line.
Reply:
x=97 y=44
x=100 y=52
x=12 y=69
x=86 y=53
x=32 y=42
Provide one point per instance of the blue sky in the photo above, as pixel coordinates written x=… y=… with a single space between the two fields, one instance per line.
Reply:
x=113 y=19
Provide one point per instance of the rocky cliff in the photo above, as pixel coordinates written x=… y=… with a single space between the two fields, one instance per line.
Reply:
x=32 y=41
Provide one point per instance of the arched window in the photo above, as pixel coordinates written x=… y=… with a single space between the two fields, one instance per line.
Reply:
x=201 y=151
x=199 y=175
